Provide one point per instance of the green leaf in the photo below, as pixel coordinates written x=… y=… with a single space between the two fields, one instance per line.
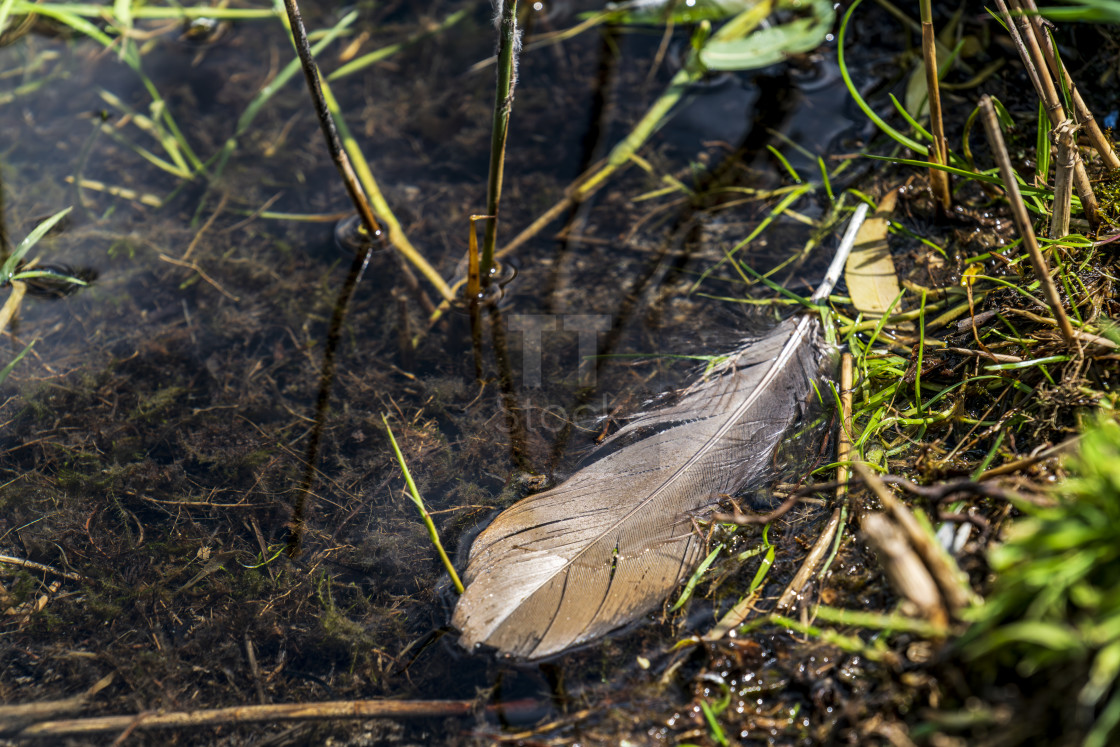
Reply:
x=772 y=45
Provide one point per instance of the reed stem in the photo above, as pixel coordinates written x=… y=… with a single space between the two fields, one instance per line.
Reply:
x=508 y=46
x=1081 y=109
x=939 y=153
x=1048 y=92
x=326 y=121
x=1022 y=218
x=1064 y=165
x=344 y=151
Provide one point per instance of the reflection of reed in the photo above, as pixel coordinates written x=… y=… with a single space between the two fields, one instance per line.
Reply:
x=322 y=400
x=357 y=268
x=515 y=416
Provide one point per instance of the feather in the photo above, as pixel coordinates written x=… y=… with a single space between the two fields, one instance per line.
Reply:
x=607 y=545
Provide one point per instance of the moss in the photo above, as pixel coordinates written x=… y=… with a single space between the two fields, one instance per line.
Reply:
x=103 y=609
x=158 y=403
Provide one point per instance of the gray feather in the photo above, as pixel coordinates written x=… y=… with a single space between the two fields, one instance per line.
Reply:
x=606 y=546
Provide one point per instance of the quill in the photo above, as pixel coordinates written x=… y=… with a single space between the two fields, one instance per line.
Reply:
x=607 y=545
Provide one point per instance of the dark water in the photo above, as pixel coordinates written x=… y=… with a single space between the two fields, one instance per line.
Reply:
x=155 y=440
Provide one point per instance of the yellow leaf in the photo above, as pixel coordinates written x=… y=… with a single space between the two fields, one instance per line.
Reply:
x=869 y=273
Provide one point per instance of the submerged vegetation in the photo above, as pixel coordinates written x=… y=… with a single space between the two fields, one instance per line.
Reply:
x=202 y=451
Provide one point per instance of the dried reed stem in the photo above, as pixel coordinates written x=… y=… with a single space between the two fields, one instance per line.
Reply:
x=11 y=306
x=1064 y=166
x=1022 y=218
x=844 y=443
x=792 y=595
x=903 y=567
x=323 y=100
x=1020 y=45
x=949 y=580
x=1081 y=109
x=938 y=154
x=1048 y=92
x=250 y=714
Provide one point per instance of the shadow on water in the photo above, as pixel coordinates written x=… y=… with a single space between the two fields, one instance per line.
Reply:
x=223 y=381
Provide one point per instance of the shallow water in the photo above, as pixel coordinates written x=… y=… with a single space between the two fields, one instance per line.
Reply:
x=155 y=440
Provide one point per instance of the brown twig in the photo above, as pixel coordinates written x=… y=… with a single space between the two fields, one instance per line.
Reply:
x=254 y=668
x=32 y=565
x=205 y=226
x=903 y=567
x=945 y=491
x=202 y=274
x=955 y=591
x=1054 y=451
x=1022 y=218
x=19 y=715
x=742 y=519
x=363 y=709
x=792 y=595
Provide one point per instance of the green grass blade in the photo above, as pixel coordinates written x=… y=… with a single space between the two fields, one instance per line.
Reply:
x=785 y=164
x=9 y=267
x=694 y=579
x=5 y=13
x=6 y=370
x=1042 y=146
x=424 y=515
x=897 y=136
x=378 y=55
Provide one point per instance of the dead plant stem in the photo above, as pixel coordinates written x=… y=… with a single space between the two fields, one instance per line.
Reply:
x=1048 y=92
x=33 y=566
x=792 y=595
x=251 y=714
x=11 y=306
x=1064 y=165
x=1022 y=218
x=938 y=154
x=1020 y=45
x=354 y=188
x=954 y=590
x=1081 y=109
